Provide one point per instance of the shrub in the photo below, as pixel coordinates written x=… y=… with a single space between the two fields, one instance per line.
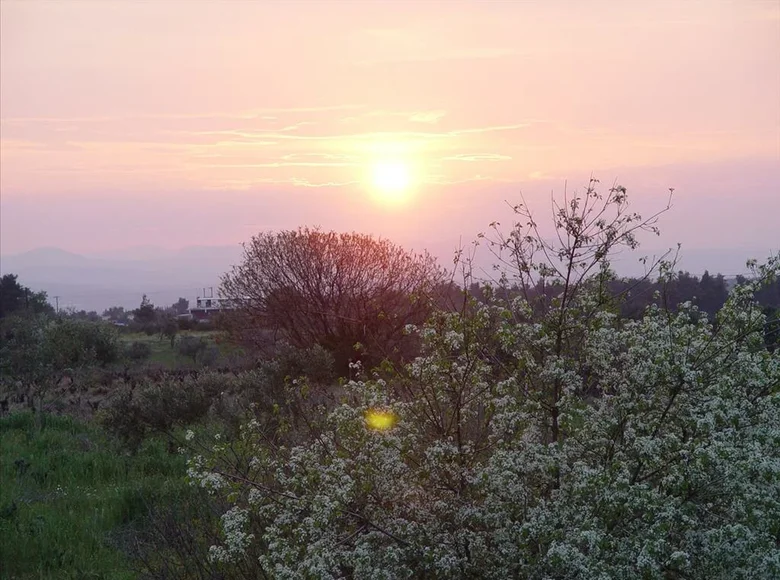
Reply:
x=533 y=438
x=191 y=346
x=138 y=351
x=210 y=356
x=73 y=343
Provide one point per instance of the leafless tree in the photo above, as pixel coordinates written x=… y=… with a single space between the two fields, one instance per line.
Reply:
x=351 y=293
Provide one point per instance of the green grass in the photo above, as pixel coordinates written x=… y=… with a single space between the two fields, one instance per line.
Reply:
x=165 y=356
x=68 y=495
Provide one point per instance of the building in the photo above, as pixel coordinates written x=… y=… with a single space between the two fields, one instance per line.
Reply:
x=206 y=308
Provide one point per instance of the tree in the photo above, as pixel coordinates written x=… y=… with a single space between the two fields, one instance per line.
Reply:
x=116 y=314
x=169 y=328
x=192 y=346
x=138 y=351
x=72 y=343
x=71 y=312
x=145 y=313
x=309 y=287
x=20 y=299
x=181 y=306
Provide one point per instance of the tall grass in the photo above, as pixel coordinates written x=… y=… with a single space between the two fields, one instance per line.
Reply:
x=71 y=499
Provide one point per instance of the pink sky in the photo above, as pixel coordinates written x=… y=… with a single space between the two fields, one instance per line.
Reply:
x=187 y=122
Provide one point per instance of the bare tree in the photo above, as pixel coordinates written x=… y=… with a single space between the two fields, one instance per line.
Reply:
x=350 y=293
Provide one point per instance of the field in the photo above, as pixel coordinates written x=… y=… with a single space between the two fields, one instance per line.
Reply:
x=216 y=353
x=70 y=497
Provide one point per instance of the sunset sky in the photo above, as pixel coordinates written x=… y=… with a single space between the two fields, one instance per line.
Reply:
x=197 y=122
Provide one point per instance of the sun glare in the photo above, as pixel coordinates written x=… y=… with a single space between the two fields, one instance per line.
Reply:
x=391 y=180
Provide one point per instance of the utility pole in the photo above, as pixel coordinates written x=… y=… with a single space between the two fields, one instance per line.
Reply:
x=57 y=302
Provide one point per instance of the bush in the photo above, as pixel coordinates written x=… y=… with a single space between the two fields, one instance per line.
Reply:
x=79 y=342
x=210 y=356
x=191 y=346
x=138 y=351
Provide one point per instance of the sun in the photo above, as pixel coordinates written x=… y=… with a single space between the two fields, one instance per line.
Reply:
x=391 y=180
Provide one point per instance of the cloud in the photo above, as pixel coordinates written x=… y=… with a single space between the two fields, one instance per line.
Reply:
x=369 y=135
x=443 y=180
x=477 y=157
x=427 y=116
x=265 y=114
x=248 y=184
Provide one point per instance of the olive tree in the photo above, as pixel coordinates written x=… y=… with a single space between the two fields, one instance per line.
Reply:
x=341 y=291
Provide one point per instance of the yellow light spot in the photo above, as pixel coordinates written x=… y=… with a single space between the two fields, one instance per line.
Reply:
x=380 y=420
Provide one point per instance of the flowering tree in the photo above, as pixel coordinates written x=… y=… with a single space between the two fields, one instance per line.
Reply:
x=545 y=437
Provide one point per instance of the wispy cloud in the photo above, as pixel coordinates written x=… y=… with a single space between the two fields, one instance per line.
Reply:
x=471 y=157
x=427 y=116
x=268 y=113
x=412 y=44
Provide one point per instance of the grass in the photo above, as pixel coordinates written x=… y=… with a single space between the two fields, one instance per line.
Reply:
x=165 y=356
x=68 y=496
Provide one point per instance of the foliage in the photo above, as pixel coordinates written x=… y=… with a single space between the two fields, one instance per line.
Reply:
x=78 y=343
x=17 y=298
x=709 y=293
x=310 y=287
x=117 y=314
x=91 y=316
x=544 y=437
x=37 y=351
x=181 y=306
x=138 y=351
x=23 y=346
x=145 y=314
x=191 y=346
x=169 y=329
x=772 y=327
x=158 y=404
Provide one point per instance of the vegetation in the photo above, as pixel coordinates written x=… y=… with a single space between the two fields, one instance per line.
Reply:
x=558 y=423
x=71 y=503
x=15 y=298
x=541 y=437
x=308 y=288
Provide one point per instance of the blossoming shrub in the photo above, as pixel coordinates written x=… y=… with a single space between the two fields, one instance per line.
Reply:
x=668 y=464
x=547 y=439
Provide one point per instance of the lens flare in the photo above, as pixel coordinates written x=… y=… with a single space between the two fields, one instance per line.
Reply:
x=380 y=420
